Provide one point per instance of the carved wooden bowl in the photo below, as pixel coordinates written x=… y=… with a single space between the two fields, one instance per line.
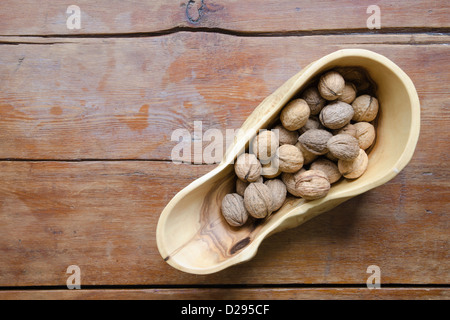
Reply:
x=192 y=235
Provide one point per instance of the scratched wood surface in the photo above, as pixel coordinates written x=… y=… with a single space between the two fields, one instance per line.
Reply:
x=86 y=121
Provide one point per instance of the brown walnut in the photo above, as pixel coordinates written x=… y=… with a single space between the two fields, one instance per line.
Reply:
x=233 y=210
x=247 y=167
x=258 y=200
x=365 y=107
x=343 y=146
x=331 y=85
x=328 y=167
x=349 y=93
x=285 y=136
x=295 y=114
x=312 y=184
x=290 y=158
x=278 y=189
x=336 y=115
x=315 y=141
x=354 y=168
x=314 y=100
x=365 y=133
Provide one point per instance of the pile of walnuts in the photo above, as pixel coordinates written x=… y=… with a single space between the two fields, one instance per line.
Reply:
x=321 y=137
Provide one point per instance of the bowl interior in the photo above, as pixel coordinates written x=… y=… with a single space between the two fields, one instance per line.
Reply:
x=195 y=238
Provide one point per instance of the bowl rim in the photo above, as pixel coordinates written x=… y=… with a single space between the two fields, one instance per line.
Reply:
x=305 y=74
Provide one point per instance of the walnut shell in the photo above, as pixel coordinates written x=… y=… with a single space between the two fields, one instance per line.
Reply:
x=247 y=167
x=348 y=129
x=271 y=169
x=233 y=210
x=328 y=167
x=290 y=180
x=343 y=146
x=279 y=191
x=349 y=93
x=295 y=114
x=365 y=107
x=311 y=123
x=242 y=185
x=285 y=136
x=315 y=141
x=331 y=85
x=355 y=75
x=308 y=157
x=330 y=157
x=290 y=158
x=314 y=100
x=264 y=145
x=336 y=115
x=312 y=184
x=354 y=168
x=258 y=200
x=365 y=133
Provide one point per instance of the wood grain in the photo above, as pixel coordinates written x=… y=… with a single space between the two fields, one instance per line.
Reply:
x=102 y=216
x=232 y=294
x=123 y=98
x=251 y=16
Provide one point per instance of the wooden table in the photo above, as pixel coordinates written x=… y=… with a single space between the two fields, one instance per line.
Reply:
x=86 y=120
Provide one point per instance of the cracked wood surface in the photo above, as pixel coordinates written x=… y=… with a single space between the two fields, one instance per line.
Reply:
x=86 y=119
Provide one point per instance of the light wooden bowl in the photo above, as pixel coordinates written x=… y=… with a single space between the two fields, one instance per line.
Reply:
x=192 y=235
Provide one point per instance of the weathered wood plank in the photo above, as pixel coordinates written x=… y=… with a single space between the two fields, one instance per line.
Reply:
x=113 y=17
x=102 y=217
x=232 y=294
x=123 y=98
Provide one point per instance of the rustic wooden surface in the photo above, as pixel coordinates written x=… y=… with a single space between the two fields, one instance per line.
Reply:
x=86 y=118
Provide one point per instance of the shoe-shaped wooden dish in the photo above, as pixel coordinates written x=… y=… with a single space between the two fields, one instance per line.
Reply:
x=192 y=235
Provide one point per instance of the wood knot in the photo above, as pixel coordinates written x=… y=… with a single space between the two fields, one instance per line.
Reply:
x=240 y=245
x=194 y=10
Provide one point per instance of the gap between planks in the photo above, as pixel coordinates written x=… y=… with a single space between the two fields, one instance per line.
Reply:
x=292 y=33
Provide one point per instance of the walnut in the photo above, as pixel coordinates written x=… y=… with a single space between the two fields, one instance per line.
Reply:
x=290 y=180
x=365 y=107
x=279 y=191
x=314 y=100
x=343 y=146
x=365 y=133
x=295 y=114
x=258 y=200
x=356 y=76
x=285 y=136
x=290 y=158
x=354 y=168
x=349 y=93
x=330 y=157
x=308 y=157
x=242 y=185
x=315 y=141
x=348 y=129
x=247 y=167
x=336 y=115
x=328 y=167
x=233 y=210
x=311 y=123
x=331 y=85
x=312 y=184
x=265 y=145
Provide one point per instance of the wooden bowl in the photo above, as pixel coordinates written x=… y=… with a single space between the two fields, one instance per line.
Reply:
x=192 y=235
